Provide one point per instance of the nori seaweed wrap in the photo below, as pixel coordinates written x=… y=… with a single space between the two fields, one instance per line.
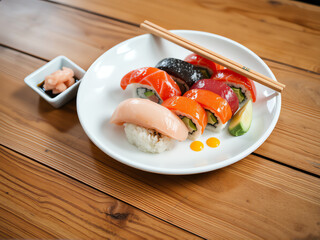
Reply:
x=183 y=73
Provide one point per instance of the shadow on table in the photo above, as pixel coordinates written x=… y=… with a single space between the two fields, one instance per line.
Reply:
x=63 y=118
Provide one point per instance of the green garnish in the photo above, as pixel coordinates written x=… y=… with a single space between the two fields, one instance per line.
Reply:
x=148 y=93
x=190 y=125
x=240 y=95
x=204 y=71
x=211 y=118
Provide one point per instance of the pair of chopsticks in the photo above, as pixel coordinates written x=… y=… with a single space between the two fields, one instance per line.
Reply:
x=206 y=53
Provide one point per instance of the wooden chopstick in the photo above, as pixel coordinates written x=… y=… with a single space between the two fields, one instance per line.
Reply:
x=232 y=65
x=216 y=55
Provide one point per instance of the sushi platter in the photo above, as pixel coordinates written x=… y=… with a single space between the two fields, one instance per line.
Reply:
x=100 y=94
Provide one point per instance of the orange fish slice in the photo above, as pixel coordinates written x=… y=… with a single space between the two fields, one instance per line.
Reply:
x=156 y=78
x=211 y=101
x=183 y=106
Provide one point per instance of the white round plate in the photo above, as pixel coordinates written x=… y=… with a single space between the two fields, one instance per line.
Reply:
x=100 y=93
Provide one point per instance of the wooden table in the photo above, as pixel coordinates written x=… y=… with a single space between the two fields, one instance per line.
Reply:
x=55 y=183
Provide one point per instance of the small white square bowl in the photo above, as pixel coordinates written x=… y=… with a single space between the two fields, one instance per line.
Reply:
x=38 y=76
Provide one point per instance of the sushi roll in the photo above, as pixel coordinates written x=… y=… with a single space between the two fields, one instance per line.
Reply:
x=205 y=65
x=242 y=86
x=183 y=73
x=148 y=125
x=191 y=113
x=217 y=109
x=151 y=83
x=221 y=89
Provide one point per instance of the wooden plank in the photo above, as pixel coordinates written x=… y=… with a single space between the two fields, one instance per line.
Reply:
x=46 y=30
x=295 y=140
x=252 y=199
x=36 y=202
x=282 y=30
x=285 y=31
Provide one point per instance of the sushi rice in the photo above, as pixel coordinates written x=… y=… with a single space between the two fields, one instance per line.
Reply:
x=138 y=91
x=244 y=91
x=193 y=134
x=217 y=127
x=147 y=140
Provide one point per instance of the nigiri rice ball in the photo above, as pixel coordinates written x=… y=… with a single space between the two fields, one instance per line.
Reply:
x=147 y=140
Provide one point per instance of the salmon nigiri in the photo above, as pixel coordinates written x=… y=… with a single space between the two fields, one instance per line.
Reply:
x=242 y=86
x=148 y=125
x=191 y=113
x=217 y=108
x=151 y=83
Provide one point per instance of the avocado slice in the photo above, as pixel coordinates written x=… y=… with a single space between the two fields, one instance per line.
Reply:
x=190 y=125
x=148 y=93
x=241 y=121
x=211 y=118
x=239 y=94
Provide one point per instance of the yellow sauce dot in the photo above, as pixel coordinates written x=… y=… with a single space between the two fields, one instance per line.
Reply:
x=213 y=142
x=196 y=146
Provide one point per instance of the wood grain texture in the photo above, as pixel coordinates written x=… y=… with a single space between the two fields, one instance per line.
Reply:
x=39 y=203
x=295 y=140
x=46 y=30
x=252 y=199
x=282 y=30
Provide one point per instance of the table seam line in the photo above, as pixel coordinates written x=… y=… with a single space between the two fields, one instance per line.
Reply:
x=286 y=165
